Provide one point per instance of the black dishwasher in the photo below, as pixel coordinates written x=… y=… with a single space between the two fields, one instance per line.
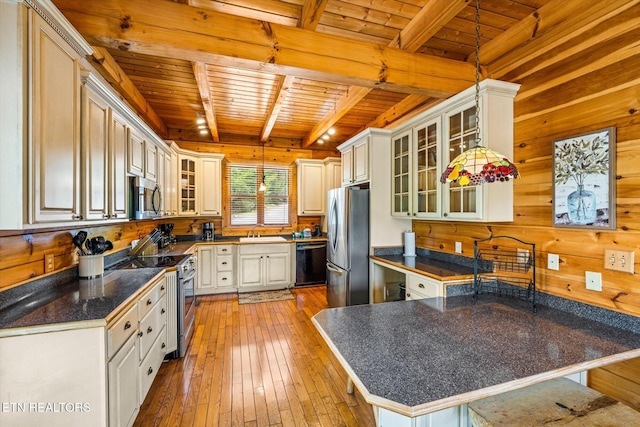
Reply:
x=311 y=263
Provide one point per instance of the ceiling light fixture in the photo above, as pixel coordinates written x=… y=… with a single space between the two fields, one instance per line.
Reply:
x=325 y=137
x=320 y=141
x=200 y=120
x=479 y=164
x=332 y=131
x=263 y=186
x=204 y=132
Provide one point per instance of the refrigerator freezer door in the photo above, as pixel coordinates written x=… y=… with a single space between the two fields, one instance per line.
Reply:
x=336 y=232
x=337 y=285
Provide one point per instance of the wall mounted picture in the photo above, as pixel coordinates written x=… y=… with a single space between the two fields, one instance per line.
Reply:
x=584 y=180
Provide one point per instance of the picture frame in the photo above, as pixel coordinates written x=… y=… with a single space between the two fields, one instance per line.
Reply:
x=584 y=190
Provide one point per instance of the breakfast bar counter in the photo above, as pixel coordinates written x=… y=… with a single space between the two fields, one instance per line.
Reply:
x=418 y=357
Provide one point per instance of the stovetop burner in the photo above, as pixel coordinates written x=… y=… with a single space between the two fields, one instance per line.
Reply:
x=149 y=262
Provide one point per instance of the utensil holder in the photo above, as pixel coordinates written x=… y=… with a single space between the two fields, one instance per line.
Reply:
x=91 y=266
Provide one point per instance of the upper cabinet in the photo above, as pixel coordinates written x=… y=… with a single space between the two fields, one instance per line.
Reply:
x=199 y=184
x=311 y=187
x=332 y=173
x=355 y=160
x=423 y=147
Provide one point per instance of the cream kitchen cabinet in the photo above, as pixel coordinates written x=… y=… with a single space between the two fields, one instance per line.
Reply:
x=437 y=136
x=136 y=153
x=210 y=186
x=104 y=145
x=419 y=286
x=54 y=111
x=150 y=161
x=170 y=170
x=264 y=267
x=311 y=187
x=215 y=269
x=332 y=173
x=200 y=184
x=355 y=160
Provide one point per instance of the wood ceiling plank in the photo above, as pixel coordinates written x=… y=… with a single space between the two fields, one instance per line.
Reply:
x=200 y=73
x=312 y=11
x=540 y=32
x=174 y=30
x=282 y=90
x=111 y=71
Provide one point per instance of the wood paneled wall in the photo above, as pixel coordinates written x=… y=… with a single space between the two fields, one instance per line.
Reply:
x=22 y=253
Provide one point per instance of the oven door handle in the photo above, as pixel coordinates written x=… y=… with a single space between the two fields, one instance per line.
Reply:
x=189 y=277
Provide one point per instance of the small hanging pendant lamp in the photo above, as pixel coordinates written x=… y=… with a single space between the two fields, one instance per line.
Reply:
x=263 y=185
x=479 y=164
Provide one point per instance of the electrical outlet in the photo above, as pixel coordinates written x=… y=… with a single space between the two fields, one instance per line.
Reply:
x=553 y=262
x=594 y=280
x=619 y=260
x=458 y=247
x=49 y=263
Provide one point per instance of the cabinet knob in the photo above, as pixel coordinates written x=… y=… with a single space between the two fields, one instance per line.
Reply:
x=127 y=325
x=162 y=288
x=149 y=302
x=408 y=295
x=414 y=214
x=150 y=371
x=163 y=345
x=76 y=216
x=140 y=333
x=106 y=216
x=408 y=214
x=420 y=285
x=149 y=329
x=445 y=214
x=162 y=311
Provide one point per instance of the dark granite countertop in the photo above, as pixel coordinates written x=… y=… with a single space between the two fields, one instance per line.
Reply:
x=76 y=300
x=440 y=270
x=415 y=357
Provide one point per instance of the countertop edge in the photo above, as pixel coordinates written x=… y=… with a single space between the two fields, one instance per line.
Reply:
x=429 y=407
x=447 y=280
x=53 y=327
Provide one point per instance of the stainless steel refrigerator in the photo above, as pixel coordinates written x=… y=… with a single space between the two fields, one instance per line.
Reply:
x=348 y=247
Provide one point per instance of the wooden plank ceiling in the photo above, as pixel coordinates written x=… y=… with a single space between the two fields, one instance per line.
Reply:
x=177 y=61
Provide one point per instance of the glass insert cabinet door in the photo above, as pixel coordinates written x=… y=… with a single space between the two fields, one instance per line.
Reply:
x=187 y=186
x=461 y=135
x=426 y=176
x=401 y=152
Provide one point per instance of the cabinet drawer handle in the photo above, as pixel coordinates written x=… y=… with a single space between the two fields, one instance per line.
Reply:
x=140 y=333
x=106 y=216
x=224 y=262
x=149 y=329
x=420 y=285
x=76 y=216
x=149 y=302
x=127 y=325
x=150 y=371
x=162 y=311
x=163 y=345
x=224 y=250
x=224 y=278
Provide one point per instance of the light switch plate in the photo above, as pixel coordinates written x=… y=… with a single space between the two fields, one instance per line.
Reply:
x=553 y=262
x=594 y=280
x=49 y=263
x=458 y=247
x=619 y=260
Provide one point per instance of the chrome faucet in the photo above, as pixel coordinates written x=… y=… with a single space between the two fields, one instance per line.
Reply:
x=252 y=232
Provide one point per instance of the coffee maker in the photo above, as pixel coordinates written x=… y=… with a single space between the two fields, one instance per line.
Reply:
x=207 y=231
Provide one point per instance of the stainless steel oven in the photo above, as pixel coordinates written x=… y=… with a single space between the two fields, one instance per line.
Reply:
x=186 y=303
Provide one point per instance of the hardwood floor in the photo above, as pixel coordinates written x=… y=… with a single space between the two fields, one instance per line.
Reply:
x=255 y=365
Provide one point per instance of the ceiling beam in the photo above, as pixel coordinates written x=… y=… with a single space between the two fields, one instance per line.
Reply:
x=200 y=73
x=540 y=32
x=169 y=29
x=310 y=17
x=428 y=21
x=284 y=83
x=111 y=71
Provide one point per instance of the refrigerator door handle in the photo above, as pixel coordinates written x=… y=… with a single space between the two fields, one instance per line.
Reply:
x=335 y=270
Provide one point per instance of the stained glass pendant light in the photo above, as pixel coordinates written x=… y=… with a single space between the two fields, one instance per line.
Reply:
x=480 y=164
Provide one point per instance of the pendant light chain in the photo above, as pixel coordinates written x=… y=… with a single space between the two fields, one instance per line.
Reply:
x=478 y=72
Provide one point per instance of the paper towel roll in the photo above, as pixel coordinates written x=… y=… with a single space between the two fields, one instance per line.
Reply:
x=409 y=243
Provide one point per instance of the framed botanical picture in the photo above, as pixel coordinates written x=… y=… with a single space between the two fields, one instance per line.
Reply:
x=584 y=191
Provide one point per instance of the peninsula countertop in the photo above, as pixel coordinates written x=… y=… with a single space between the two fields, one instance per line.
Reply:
x=439 y=270
x=417 y=357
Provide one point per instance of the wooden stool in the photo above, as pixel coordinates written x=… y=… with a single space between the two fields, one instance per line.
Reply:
x=558 y=402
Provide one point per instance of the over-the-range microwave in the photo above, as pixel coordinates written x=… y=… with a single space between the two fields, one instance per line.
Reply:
x=146 y=199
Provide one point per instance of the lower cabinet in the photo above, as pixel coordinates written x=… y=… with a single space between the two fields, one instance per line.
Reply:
x=419 y=286
x=215 y=269
x=264 y=266
x=136 y=362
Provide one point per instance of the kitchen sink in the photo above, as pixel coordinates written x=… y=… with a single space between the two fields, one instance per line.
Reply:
x=264 y=239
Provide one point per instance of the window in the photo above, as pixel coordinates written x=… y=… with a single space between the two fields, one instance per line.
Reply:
x=250 y=206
